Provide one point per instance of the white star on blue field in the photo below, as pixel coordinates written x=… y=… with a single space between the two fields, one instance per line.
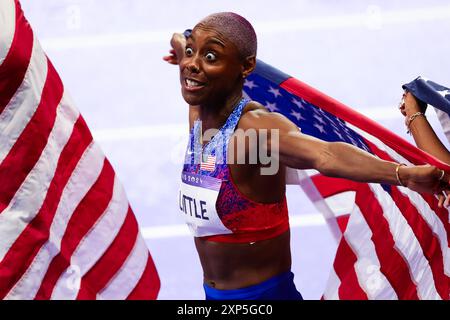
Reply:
x=310 y=119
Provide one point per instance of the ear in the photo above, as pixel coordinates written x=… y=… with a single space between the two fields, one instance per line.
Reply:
x=248 y=66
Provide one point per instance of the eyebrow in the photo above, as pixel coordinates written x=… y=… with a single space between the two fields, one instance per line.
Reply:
x=216 y=41
x=212 y=40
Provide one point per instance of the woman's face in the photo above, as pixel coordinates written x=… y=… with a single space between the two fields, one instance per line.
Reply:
x=211 y=68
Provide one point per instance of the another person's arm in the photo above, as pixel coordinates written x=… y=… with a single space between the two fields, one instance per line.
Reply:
x=421 y=130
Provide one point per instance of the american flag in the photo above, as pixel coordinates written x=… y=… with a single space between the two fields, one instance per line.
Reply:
x=395 y=242
x=209 y=164
x=67 y=229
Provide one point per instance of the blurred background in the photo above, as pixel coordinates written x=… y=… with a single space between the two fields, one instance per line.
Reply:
x=109 y=55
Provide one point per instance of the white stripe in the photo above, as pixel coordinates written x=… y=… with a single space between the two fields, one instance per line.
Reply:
x=30 y=196
x=393 y=154
x=332 y=288
x=433 y=222
x=367 y=267
x=444 y=119
x=421 y=205
x=95 y=243
x=7 y=27
x=365 y=20
x=24 y=103
x=309 y=188
x=342 y=203
x=81 y=180
x=424 y=209
x=407 y=245
x=129 y=275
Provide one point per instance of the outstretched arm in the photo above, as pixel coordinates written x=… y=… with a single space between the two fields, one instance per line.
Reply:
x=337 y=159
x=424 y=135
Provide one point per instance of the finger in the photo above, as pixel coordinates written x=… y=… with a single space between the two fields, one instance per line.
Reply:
x=444 y=197
x=441 y=199
x=447 y=202
x=170 y=59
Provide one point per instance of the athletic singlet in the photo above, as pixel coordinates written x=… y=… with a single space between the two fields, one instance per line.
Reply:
x=212 y=205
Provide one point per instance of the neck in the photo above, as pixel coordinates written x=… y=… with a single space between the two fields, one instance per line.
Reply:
x=214 y=115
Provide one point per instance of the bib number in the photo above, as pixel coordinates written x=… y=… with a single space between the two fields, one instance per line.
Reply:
x=197 y=202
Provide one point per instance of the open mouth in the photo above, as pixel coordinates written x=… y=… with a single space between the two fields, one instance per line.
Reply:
x=192 y=84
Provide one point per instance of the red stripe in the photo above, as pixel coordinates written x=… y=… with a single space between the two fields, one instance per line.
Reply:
x=328 y=187
x=366 y=124
x=84 y=217
x=27 y=150
x=442 y=213
x=344 y=265
x=393 y=266
x=111 y=261
x=343 y=222
x=427 y=240
x=149 y=285
x=15 y=65
x=23 y=251
x=331 y=186
x=420 y=228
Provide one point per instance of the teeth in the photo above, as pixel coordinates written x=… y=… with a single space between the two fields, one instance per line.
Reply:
x=192 y=83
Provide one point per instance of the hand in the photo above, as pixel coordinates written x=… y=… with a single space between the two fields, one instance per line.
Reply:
x=172 y=58
x=178 y=43
x=427 y=179
x=409 y=105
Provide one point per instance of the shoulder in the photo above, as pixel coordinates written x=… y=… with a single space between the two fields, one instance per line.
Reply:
x=256 y=116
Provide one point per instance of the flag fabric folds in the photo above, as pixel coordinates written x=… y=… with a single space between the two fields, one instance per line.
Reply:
x=395 y=242
x=67 y=230
x=436 y=95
